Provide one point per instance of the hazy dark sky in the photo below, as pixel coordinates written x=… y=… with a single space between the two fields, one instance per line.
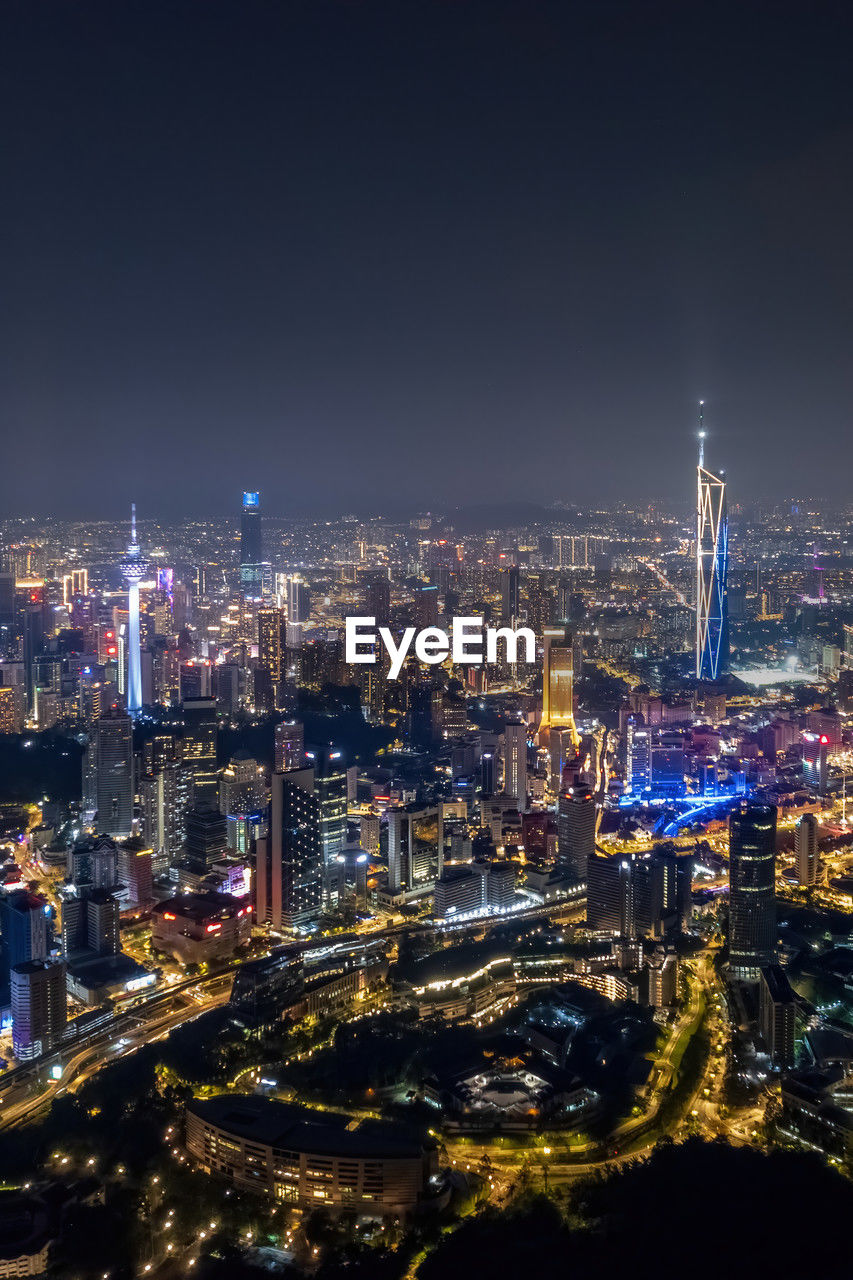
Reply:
x=378 y=255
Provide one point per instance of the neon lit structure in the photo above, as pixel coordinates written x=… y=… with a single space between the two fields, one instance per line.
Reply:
x=712 y=554
x=133 y=567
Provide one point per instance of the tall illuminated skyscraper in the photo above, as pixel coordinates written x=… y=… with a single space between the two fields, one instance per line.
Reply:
x=251 y=547
x=557 y=684
x=712 y=553
x=289 y=861
x=113 y=754
x=515 y=763
x=133 y=568
x=270 y=670
x=805 y=846
x=752 y=888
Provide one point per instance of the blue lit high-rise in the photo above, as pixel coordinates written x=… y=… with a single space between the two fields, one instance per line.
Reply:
x=133 y=568
x=251 y=547
x=712 y=553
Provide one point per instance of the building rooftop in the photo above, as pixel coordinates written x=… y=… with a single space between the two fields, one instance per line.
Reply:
x=453 y=963
x=199 y=906
x=777 y=984
x=280 y=1124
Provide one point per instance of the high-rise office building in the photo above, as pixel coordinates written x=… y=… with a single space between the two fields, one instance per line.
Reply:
x=90 y=900
x=488 y=770
x=25 y=933
x=206 y=838
x=712 y=552
x=777 y=1011
x=397 y=831
x=251 y=547
x=38 y=1007
x=7 y=606
x=425 y=605
x=368 y=836
x=270 y=669
x=805 y=845
x=515 y=763
x=90 y=924
x=243 y=800
x=33 y=642
x=135 y=873
x=510 y=597
x=199 y=749
x=289 y=746
x=609 y=895
x=103 y=916
x=12 y=709
x=113 y=754
x=639 y=895
x=298 y=601
x=93 y=863
x=637 y=757
x=752 y=888
x=377 y=602
x=576 y=831
x=133 y=569
x=289 y=861
x=557 y=685
x=330 y=787
x=165 y=795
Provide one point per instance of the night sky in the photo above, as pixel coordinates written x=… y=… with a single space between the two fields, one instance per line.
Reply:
x=418 y=254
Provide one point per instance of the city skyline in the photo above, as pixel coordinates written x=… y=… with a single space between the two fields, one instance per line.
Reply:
x=231 y=835
x=426 y=742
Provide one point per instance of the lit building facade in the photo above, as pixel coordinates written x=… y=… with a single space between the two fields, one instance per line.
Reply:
x=194 y=928
x=308 y=1158
x=557 y=681
x=805 y=846
x=752 y=891
x=712 y=554
x=289 y=860
x=39 y=1008
x=113 y=754
x=133 y=569
x=251 y=547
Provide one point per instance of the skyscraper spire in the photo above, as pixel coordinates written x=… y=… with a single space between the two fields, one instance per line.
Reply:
x=133 y=568
x=712 y=532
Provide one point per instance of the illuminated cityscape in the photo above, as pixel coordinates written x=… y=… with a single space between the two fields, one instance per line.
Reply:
x=280 y=854
x=426 y=845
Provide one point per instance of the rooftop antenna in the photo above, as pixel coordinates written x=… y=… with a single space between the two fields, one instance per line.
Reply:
x=701 y=433
x=133 y=524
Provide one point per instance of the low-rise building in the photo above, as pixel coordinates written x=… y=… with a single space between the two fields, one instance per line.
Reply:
x=25 y=1235
x=817 y=1109
x=309 y=1158
x=196 y=927
x=461 y=984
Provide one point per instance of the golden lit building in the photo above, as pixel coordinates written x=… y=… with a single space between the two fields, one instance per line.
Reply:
x=270 y=657
x=557 y=683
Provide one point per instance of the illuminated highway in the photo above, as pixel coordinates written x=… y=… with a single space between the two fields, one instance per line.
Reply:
x=125 y=1033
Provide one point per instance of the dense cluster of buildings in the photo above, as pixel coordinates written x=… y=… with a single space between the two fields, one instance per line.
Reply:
x=575 y=773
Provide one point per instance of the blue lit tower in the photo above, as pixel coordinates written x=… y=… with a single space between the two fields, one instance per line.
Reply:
x=133 y=568
x=251 y=547
x=712 y=552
